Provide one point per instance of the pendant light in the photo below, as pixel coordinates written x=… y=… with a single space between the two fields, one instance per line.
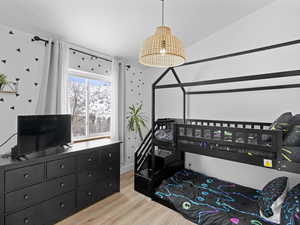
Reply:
x=162 y=49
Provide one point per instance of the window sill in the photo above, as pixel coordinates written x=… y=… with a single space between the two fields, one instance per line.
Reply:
x=91 y=139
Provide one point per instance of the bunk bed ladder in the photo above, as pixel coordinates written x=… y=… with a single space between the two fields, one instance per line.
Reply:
x=143 y=181
x=143 y=152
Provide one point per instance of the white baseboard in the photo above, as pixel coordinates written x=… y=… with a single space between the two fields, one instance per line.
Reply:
x=126 y=168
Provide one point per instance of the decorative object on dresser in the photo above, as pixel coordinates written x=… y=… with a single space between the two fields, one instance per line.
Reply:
x=46 y=189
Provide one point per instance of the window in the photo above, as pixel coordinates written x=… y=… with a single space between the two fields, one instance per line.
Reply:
x=89 y=94
x=90 y=105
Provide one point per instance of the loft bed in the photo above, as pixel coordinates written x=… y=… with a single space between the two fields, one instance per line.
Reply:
x=160 y=161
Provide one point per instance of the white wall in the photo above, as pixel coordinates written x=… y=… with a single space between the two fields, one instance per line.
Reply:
x=275 y=23
x=30 y=56
x=135 y=94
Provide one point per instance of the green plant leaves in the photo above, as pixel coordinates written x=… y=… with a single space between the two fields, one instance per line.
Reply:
x=136 y=119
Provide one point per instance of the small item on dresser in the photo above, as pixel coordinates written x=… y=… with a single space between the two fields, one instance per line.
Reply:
x=290 y=212
x=272 y=198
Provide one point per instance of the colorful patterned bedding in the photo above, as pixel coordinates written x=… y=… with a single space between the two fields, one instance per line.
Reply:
x=210 y=201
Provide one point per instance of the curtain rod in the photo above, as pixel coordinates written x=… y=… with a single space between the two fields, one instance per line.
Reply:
x=37 y=38
x=95 y=56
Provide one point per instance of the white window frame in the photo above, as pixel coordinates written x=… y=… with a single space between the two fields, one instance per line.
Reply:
x=92 y=76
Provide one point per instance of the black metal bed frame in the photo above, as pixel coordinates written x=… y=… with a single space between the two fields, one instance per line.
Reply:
x=255 y=77
x=210 y=137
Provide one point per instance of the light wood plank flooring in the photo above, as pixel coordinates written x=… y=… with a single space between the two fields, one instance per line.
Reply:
x=126 y=208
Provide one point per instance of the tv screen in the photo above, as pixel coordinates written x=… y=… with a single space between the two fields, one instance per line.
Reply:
x=38 y=133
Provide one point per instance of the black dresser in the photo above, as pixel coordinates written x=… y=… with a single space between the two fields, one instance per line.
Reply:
x=50 y=187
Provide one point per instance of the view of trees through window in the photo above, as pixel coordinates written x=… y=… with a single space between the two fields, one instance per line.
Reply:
x=90 y=106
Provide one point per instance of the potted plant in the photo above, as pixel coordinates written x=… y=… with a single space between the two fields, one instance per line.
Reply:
x=3 y=81
x=136 y=120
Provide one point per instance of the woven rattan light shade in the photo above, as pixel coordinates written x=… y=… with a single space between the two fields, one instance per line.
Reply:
x=162 y=49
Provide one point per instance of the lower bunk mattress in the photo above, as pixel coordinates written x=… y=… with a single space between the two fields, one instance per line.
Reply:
x=209 y=201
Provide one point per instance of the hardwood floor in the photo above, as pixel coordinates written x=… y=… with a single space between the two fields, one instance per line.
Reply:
x=126 y=208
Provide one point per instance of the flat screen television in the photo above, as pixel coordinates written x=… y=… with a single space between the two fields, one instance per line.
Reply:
x=39 y=133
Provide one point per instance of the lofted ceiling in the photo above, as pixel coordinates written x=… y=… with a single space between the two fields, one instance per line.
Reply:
x=118 y=27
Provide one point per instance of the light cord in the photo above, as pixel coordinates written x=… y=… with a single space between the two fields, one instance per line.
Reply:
x=163 y=12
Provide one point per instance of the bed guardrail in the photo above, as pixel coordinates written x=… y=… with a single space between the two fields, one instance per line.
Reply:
x=245 y=142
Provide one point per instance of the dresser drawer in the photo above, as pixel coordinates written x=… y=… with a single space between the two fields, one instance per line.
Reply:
x=60 y=185
x=23 y=177
x=24 y=198
x=38 y=193
x=89 y=194
x=30 y=216
x=88 y=160
x=111 y=186
x=110 y=154
x=111 y=171
x=60 y=207
x=60 y=168
x=86 y=177
x=52 y=210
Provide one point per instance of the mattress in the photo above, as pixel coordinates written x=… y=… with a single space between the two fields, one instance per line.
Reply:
x=209 y=201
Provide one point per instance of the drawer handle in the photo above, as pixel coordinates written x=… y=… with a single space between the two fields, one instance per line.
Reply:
x=110 y=168
x=109 y=155
x=26 y=196
x=26 y=220
x=90 y=159
x=62 y=205
x=89 y=193
x=62 y=166
x=62 y=185
x=26 y=175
